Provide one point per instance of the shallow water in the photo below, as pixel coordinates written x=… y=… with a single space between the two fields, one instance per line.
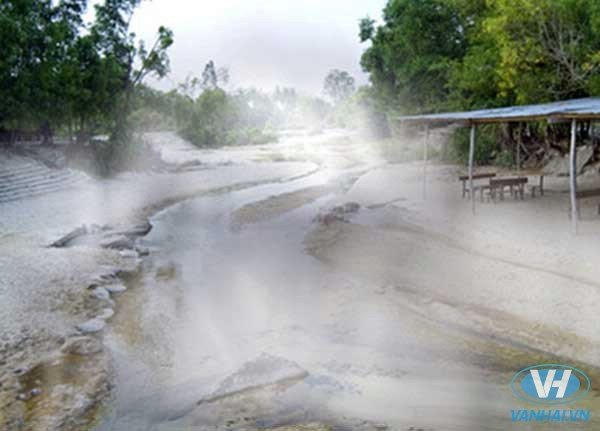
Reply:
x=215 y=295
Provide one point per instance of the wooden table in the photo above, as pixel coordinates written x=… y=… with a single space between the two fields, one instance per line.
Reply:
x=497 y=185
x=539 y=187
x=465 y=178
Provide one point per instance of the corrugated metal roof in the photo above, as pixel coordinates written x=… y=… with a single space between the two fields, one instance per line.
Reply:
x=587 y=108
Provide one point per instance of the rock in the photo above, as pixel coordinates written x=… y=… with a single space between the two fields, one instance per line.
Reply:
x=301 y=427
x=117 y=242
x=188 y=165
x=351 y=207
x=264 y=371
x=140 y=229
x=92 y=325
x=82 y=345
x=115 y=288
x=143 y=251
x=129 y=254
x=592 y=170
x=23 y=397
x=107 y=276
x=105 y=314
x=98 y=281
x=327 y=219
x=338 y=213
x=65 y=240
x=560 y=165
x=101 y=293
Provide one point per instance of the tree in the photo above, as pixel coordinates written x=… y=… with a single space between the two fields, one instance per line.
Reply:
x=209 y=76
x=548 y=49
x=338 y=85
x=366 y=29
x=113 y=40
x=434 y=55
x=57 y=72
x=191 y=87
x=213 y=78
x=413 y=53
x=37 y=37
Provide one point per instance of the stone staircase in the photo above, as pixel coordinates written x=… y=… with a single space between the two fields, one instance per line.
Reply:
x=22 y=177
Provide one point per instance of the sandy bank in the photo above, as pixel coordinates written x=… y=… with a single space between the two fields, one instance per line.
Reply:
x=512 y=271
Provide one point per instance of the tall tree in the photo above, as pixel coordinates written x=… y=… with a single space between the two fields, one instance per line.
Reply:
x=210 y=80
x=412 y=54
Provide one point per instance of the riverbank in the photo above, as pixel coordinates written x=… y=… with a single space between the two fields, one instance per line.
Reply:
x=318 y=258
x=382 y=299
x=52 y=375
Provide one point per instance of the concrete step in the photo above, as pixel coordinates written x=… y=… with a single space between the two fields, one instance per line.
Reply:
x=23 y=177
x=32 y=179
x=40 y=190
x=25 y=169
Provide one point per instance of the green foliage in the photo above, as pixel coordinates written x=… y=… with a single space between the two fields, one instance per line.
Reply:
x=485 y=150
x=216 y=118
x=433 y=55
x=362 y=112
x=58 y=73
x=505 y=159
x=211 y=116
x=437 y=55
x=366 y=29
x=412 y=54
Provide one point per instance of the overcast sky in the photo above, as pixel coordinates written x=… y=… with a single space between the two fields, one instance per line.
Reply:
x=264 y=43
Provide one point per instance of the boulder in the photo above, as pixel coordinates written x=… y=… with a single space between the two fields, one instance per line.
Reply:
x=65 y=240
x=117 y=242
x=139 y=229
x=560 y=165
x=115 y=288
x=105 y=314
x=90 y=326
x=262 y=372
x=82 y=345
x=338 y=213
x=101 y=293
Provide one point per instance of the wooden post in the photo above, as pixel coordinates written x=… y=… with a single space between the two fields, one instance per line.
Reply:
x=519 y=140
x=573 y=175
x=425 y=159
x=471 y=157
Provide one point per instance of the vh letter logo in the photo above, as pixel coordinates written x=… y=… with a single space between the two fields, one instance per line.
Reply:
x=550 y=384
x=543 y=390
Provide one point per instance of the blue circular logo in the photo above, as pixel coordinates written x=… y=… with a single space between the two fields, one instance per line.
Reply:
x=550 y=384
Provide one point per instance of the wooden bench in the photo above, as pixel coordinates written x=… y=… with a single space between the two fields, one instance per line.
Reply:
x=586 y=194
x=465 y=178
x=498 y=185
x=538 y=187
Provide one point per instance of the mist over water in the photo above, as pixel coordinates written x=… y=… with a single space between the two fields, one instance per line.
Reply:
x=230 y=283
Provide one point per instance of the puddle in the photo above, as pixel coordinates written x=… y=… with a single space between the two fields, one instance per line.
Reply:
x=68 y=380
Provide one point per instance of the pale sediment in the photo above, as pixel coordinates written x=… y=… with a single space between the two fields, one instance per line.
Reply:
x=56 y=301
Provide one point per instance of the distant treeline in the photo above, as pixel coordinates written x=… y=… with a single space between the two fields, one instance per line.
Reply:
x=205 y=113
x=437 y=55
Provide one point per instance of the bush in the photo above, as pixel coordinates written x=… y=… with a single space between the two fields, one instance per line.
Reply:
x=485 y=145
x=505 y=159
x=217 y=119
